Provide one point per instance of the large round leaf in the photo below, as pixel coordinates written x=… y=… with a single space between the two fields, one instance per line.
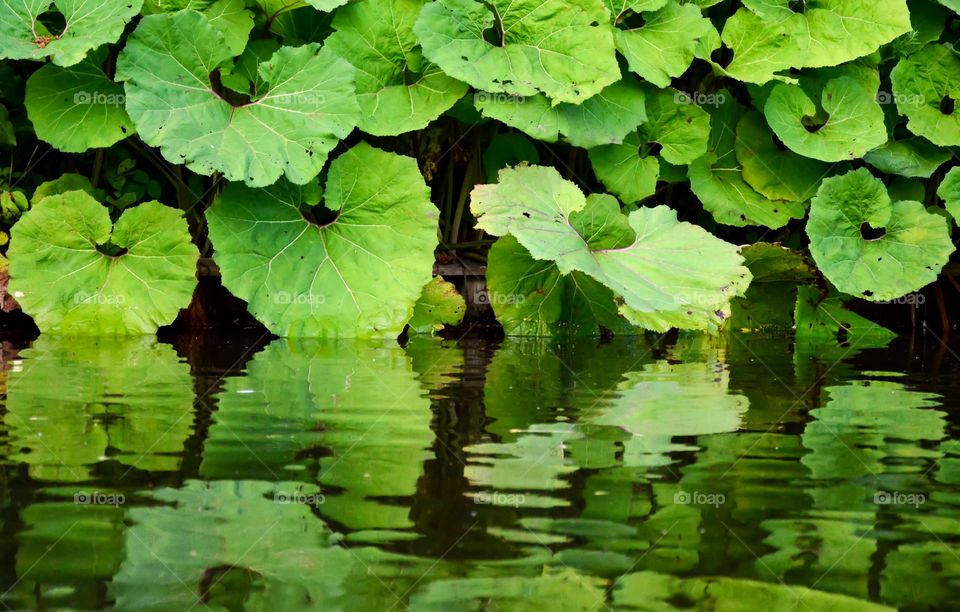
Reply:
x=626 y=169
x=561 y=48
x=870 y=247
x=87 y=25
x=288 y=130
x=63 y=276
x=664 y=47
x=926 y=86
x=847 y=124
x=603 y=119
x=949 y=190
x=665 y=273
x=77 y=108
x=399 y=91
x=358 y=275
x=717 y=178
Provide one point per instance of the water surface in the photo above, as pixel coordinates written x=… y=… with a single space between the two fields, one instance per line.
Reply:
x=647 y=473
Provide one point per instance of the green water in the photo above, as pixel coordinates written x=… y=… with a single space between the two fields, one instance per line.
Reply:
x=658 y=473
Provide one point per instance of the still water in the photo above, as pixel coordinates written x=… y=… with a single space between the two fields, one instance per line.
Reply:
x=740 y=473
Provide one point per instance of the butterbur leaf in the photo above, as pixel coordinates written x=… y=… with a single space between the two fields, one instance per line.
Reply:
x=76 y=273
x=233 y=20
x=717 y=178
x=910 y=157
x=563 y=49
x=870 y=247
x=77 y=108
x=287 y=131
x=357 y=275
x=86 y=27
x=770 y=301
x=440 y=304
x=399 y=91
x=761 y=49
x=949 y=191
x=678 y=125
x=847 y=123
x=532 y=297
x=625 y=169
x=507 y=150
x=603 y=119
x=773 y=171
x=663 y=273
x=618 y=8
x=326 y=5
x=664 y=47
x=62 y=184
x=925 y=87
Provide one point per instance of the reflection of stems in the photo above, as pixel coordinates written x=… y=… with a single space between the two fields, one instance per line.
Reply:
x=97 y=167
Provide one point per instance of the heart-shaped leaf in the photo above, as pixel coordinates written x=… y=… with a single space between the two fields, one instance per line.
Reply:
x=560 y=48
x=303 y=274
x=926 y=86
x=663 y=48
x=626 y=169
x=664 y=273
x=286 y=131
x=86 y=25
x=870 y=247
x=847 y=123
x=77 y=108
x=717 y=178
x=399 y=91
x=911 y=157
x=603 y=119
x=76 y=273
x=949 y=191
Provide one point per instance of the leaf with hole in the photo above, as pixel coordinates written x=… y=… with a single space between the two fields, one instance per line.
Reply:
x=926 y=86
x=77 y=273
x=351 y=266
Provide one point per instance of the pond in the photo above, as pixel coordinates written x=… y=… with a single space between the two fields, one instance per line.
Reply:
x=676 y=472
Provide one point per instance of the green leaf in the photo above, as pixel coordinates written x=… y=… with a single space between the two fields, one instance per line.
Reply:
x=775 y=172
x=847 y=123
x=819 y=319
x=677 y=124
x=563 y=49
x=949 y=192
x=533 y=298
x=625 y=169
x=23 y=36
x=771 y=299
x=63 y=278
x=357 y=275
x=520 y=593
x=717 y=178
x=62 y=184
x=618 y=8
x=663 y=47
x=870 y=247
x=399 y=91
x=910 y=157
x=925 y=87
x=507 y=150
x=287 y=131
x=440 y=304
x=233 y=20
x=77 y=108
x=665 y=273
x=603 y=119
x=761 y=49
